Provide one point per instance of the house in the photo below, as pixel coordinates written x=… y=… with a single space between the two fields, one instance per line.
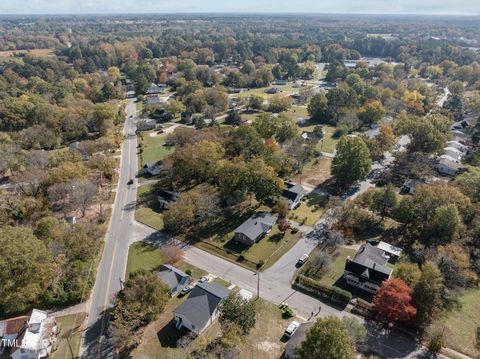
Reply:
x=10 y=329
x=301 y=121
x=410 y=186
x=273 y=90
x=458 y=146
x=453 y=152
x=293 y=193
x=449 y=167
x=37 y=338
x=309 y=137
x=280 y=82
x=155 y=100
x=152 y=168
x=155 y=89
x=254 y=228
x=165 y=197
x=146 y=124
x=296 y=340
x=368 y=268
x=174 y=278
x=201 y=307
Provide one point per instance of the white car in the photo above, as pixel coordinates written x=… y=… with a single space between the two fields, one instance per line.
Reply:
x=292 y=328
x=203 y=280
x=302 y=259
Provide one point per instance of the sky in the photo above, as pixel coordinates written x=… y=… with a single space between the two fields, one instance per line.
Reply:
x=430 y=7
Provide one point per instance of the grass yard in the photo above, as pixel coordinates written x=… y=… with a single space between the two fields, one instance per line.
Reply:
x=160 y=337
x=147 y=211
x=314 y=174
x=36 y=52
x=153 y=148
x=310 y=210
x=143 y=256
x=69 y=337
x=297 y=111
x=461 y=325
x=139 y=106
x=337 y=266
x=286 y=90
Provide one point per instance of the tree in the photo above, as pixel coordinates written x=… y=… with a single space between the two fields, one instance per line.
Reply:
x=408 y=272
x=384 y=201
x=427 y=295
x=327 y=338
x=393 y=301
x=83 y=194
x=141 y=301
x=237 y=310
x=175 y=107
x=318 y=107
x=172 y=254
x=279 y=104
x=233 y=118
x=356 y=329
x=283 y=224
x=469 y=183
x=333 y=240
x=370 y=113
x=352 y=161
x=255 y=102
x=25 y=269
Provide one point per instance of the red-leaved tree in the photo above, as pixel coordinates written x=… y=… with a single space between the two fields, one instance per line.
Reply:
x=393 y=301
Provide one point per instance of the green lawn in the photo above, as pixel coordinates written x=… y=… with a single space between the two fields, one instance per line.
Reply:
x=69 y=337
x=461 y=325
x=337 y=267
x=286 y=90
x=315 y=173
x=139 y=105
x=310 y=210
x=153 y=148
x=147 y=211
x=143 y=256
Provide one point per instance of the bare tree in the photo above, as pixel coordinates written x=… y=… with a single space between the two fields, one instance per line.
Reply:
x=30 y=182
x=172 y=254
x=333 y=240
x=319 y=263
x=83 y=194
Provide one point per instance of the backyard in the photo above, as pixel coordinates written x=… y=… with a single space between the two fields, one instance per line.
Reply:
x=310 y=210
x=68 y=344
x=315 y=173
x=461 y=324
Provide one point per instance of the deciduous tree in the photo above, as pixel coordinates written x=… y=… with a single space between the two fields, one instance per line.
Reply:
x=393 y=301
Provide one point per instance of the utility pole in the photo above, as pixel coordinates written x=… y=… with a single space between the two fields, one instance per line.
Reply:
x=258 y=284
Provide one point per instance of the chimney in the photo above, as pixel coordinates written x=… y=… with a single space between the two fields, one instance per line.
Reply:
x=374 y=264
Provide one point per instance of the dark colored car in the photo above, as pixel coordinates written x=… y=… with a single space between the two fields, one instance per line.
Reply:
x=130 y=181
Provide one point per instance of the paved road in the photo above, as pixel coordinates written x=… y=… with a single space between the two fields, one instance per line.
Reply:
x=111 y=270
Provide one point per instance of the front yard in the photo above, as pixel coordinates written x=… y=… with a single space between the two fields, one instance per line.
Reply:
x=310 y=210
x=154 y=148
x=160 y=337
x=148 y=211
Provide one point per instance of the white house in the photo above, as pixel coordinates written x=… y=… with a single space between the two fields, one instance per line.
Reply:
x=38 y=338
x=201 y=308
x=449 y=167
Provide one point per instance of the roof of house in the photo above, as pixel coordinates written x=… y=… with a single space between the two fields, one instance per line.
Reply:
x=412 y=183
x=168 y=195
x=257 y=224
x=202 y=302
x=153 y=100
x=12 y=326
x=449 y=163
x=370 y=263
x=298 y=337
x=40 y=332
x=293 y=191
x=386 y=247
x=171 y=276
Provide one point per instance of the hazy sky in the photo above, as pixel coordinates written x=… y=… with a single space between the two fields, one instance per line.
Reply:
x=447 y=7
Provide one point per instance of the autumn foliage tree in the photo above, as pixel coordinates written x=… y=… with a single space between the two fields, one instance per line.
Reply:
x=393 y=301
x=172 y=254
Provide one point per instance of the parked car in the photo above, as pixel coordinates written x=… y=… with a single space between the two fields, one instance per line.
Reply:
x=130 y=181
x=203 y=280
x=186 y=289
x=301 y=261
x=292 y=328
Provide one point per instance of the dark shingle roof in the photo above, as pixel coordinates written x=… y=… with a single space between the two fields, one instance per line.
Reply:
x=369 y=263
x=171 y=276
x=202 y=302
x=293 y=191
x=256 y=225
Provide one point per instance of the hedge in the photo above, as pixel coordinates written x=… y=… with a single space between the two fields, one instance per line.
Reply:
x=336 y=294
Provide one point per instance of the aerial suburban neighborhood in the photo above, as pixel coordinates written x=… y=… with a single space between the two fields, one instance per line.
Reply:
x=203 y=181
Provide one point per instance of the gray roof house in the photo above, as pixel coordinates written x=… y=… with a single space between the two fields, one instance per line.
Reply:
x=449 y=167
x=293 y=193
x=410 y=186
x=368 y=268
x=201 y=307
x=254 y=228
x=146 y=124
x=155 y=89
x=174 y=278
x=296 y=340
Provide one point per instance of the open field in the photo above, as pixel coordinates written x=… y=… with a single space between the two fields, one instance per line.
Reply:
x=160 y=337
x=154 y=148
x=310 y=210
x=70 y=334
x=36 y=52
x=147 y=211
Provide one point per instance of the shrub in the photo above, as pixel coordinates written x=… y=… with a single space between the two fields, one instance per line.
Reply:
x=314 y=285
x=287 y=313
x=189 y=272
x=294 y=230
x=241 y=258
x=260 y=263
x=340 y=295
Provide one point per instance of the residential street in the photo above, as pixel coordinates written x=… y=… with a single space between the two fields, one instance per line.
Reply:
x=111 y=270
